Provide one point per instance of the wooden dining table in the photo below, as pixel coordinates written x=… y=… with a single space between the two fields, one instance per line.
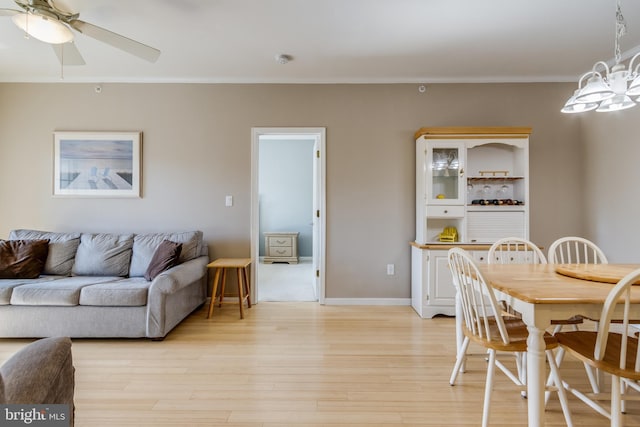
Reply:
x=542 y=292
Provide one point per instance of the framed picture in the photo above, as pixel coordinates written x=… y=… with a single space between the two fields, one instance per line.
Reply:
x=97 y=164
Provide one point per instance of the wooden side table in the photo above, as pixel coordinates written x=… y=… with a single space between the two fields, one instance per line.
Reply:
x=222 y=265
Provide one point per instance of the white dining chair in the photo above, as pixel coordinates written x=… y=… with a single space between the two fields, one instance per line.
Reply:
x=484 y=325
x=507 y=251
x=515 y=250
x=578 y=250
x=615 y=353
x=575 y=250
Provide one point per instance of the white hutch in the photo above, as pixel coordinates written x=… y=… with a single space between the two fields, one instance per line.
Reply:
x=472 y=188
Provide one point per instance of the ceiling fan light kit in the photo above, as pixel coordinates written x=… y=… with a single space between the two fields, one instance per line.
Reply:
x=45 y=21
x=612 y=89
x=43 y=28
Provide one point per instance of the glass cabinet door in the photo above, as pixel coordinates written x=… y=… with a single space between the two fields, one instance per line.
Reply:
x=445 y=173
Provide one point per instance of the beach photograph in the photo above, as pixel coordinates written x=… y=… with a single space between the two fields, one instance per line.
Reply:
x=94 y=165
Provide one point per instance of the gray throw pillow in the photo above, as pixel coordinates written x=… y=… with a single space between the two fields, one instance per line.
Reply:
x=62 y=249
x=103 y=255
x=166 y=256
x=22 y=259
x=145 y=245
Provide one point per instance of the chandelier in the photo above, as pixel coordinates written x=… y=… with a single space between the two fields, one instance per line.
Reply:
x=608 y=89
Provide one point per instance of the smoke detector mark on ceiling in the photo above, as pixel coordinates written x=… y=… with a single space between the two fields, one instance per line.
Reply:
x=283 y=59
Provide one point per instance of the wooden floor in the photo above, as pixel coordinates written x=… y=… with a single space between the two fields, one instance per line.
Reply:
x=297 y=364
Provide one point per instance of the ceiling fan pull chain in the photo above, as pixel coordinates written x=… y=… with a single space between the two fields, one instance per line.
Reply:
x=62 y=61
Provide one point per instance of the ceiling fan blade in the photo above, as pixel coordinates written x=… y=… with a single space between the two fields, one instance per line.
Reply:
x=68 y=54
x=9 y=12
x=116 y=40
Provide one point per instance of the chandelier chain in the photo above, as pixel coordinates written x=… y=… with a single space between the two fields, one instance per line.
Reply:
x=621 y=30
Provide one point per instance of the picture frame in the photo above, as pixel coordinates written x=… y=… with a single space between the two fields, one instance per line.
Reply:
x=97 y=164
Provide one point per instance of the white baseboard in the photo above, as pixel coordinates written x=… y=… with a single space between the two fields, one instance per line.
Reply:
x=367 y=301
x=302 y=258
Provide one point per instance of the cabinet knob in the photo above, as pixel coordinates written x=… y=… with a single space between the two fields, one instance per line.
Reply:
x=446 y=211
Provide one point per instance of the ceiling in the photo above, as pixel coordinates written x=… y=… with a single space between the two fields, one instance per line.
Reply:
x=332 y=41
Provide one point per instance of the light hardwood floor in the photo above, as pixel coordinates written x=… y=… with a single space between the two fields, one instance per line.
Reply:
x=297 y=364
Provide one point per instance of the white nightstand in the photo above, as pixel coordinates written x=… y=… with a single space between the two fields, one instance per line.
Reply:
x=281 y=247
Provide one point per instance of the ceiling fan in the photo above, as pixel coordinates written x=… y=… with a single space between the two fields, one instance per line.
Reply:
x=51 y=23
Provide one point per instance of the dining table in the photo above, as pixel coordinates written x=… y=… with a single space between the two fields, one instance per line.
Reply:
x=542 y=292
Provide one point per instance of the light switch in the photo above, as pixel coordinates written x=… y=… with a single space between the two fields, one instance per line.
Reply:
x=228 y=201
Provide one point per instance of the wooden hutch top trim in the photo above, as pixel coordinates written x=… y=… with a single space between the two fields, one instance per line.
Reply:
x=473 y=132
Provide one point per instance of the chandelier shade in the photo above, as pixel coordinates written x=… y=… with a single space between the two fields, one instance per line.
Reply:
x=573 y=106
x=617 y=103
x=634 y=87
x=596 y=90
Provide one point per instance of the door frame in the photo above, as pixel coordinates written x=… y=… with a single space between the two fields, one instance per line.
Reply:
x=319 y=182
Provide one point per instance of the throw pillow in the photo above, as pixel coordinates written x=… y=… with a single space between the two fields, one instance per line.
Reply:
x=166 y=256
x=145 y=245
x=103 y=254
x=62 y=249
x=22 y=259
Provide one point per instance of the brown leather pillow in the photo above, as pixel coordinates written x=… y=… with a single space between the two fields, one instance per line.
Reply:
x=166 y=256
x=22 y=259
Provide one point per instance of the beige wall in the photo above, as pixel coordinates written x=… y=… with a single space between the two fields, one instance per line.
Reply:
x=197 y=148
x=612 y=183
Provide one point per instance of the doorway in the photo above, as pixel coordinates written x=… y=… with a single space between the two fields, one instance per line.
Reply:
x=311 y=229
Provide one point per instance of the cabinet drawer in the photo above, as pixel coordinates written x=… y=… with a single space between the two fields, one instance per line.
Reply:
x=445 y=211
x=280 y=251
x=280 y=241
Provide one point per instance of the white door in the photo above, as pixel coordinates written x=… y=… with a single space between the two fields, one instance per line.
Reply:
x=318 y=218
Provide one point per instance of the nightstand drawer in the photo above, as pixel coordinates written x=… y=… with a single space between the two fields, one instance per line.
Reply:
x=278 y=241
x=280 y=251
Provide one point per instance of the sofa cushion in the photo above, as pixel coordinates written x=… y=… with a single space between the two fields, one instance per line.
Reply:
x=166 y=256
x=22 y=259
x=64 y=291
x=131 y=292
x=62 y=249
x=103 y=255
x=145 y=245
x=7 y=285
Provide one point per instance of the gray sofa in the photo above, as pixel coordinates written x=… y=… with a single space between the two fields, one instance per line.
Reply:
x=93 y=285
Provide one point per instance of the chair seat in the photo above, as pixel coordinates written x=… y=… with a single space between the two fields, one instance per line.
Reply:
x=582 y=344
x=517 y=332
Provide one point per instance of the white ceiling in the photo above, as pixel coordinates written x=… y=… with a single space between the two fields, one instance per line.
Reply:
x=332 y=41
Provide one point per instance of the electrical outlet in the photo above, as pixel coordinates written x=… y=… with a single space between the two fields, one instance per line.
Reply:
x=391 y=269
